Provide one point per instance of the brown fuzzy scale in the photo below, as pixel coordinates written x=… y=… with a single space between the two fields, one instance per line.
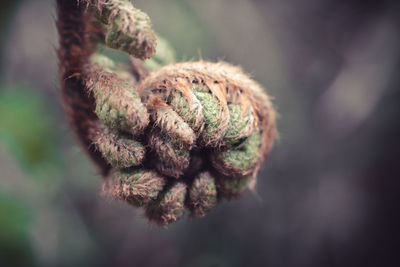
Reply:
x=171 y=161
x=169 y=207
x=171 y=124
x=129 y=29
x=118 y=105
x=188 y=115
x=202 y=195
x=121 y=152
x=138 y=187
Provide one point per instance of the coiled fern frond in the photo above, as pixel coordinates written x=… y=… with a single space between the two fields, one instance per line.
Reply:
x=166 y=136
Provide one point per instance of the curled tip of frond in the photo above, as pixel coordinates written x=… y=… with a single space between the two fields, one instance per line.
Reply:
x=128 y=29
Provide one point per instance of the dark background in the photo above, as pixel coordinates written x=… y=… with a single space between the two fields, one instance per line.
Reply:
x=327 y=196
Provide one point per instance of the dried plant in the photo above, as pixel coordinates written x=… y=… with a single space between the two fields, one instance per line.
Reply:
x=182 y=136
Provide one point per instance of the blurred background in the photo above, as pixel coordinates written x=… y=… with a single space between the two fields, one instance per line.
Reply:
x=327 y=196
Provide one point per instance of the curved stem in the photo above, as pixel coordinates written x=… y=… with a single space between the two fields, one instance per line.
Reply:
x=75 y=48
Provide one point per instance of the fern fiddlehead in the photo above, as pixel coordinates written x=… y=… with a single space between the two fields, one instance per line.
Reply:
x=180 y=137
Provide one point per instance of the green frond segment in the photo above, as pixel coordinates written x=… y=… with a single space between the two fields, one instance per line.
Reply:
x=170 y=206
x=171 y=124
x=190 y=111
x=241 y=161
x=213 y=114
x=202 y=195
x=171 y=160
x=120 y=109
x=128 y=29
x=119 y=150
x=240 y=126
x=246 y=157
x=118 y=105
x=138 y=187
